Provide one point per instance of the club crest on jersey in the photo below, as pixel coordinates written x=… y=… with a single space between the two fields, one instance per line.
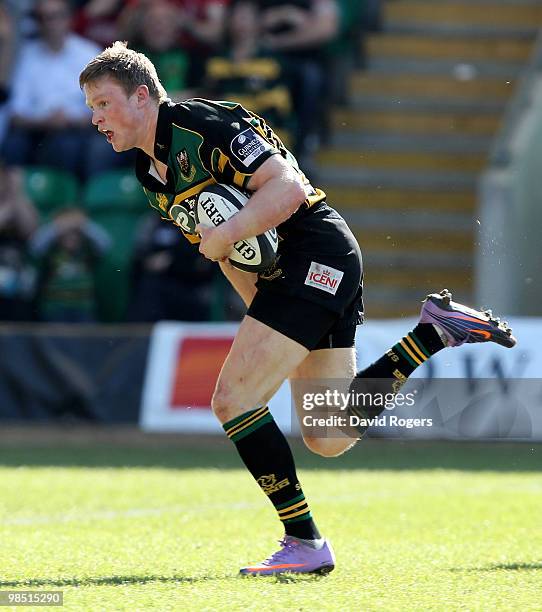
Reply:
x=324 y=277
x=187 y=171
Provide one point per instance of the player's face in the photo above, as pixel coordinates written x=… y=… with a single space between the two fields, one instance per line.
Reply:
x=115 y=114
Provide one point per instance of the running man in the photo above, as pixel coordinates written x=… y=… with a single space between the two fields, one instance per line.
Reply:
x=295 y=327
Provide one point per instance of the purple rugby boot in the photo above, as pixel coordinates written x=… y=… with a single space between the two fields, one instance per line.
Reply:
x=294 y=557
x=461 y=324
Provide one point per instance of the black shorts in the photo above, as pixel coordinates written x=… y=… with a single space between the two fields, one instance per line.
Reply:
x=313 y=292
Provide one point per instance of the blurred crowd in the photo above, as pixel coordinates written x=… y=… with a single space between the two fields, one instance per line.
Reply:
x=69 y=255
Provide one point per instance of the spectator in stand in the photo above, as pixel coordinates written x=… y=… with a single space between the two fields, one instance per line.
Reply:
x=297 y=32
x=49 y=119
x=97 y=20
x=160 y=31
x=18 y=220
x=200 y=35
x=20 y=11
x=254 y=80
x=169 y=279
x=67 y=251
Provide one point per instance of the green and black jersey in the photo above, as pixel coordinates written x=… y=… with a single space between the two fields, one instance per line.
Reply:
x=203 y=142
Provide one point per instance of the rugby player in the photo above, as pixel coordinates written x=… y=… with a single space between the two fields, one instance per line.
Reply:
x=302 y=312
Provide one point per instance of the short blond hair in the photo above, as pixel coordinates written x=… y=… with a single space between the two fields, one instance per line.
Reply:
x=128 y=67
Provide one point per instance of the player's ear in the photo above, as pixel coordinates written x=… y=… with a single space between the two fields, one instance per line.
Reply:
x=143 y=95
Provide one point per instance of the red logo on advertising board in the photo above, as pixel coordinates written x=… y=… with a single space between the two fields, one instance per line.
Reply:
x=198 y=364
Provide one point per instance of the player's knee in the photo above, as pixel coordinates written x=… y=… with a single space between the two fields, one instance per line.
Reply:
x=329 y=447
x=222 y=404
x=226 y=403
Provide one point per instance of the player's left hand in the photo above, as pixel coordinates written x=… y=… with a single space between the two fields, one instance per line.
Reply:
x=213 y=244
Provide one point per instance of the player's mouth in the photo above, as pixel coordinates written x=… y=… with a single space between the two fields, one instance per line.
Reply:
x=108 y=134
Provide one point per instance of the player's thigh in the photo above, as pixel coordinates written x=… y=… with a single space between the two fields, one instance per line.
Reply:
x=260 y=359
x=328 y=363
x=292 y=327
x=320 y=370
x=338 y=364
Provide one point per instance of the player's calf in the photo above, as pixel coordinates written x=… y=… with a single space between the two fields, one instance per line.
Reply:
x=336 y=444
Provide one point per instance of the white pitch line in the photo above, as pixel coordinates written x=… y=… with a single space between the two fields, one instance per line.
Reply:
x=363 y=499
x=108 y=515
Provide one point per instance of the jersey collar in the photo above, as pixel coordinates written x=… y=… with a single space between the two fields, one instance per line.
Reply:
x=162 y=145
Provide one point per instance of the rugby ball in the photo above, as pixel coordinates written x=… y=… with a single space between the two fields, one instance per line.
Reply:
x=216 y=204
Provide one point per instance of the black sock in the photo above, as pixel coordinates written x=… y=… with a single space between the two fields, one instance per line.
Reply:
x=389 y=373
x=267 y=455
x=404 y=357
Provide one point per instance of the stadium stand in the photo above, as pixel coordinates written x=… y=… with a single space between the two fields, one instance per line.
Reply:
x=170 y=279
x=7 y=53
x=200 y=34
x=18 y=220
x=66 y=251
x=406 y=154
x=50 y=189
x=97 y=20
x=281 y=32
x=115 y=201
x=408 y=140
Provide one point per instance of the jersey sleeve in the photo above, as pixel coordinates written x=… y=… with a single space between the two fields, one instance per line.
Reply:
x=237 y=143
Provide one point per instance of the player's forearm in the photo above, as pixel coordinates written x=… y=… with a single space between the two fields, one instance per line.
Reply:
x=274 y=202
x=242 y=282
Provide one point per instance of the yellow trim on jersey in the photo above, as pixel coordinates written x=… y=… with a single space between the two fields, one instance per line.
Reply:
x=261 y=132
x=239 y=178
x=180 y=127
x=193 y=190
x=192 y=238
x=222 y=161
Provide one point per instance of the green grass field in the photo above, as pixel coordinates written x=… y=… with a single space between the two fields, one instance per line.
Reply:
x=415 y=526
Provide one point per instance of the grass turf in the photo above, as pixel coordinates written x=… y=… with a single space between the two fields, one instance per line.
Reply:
x=415 y=526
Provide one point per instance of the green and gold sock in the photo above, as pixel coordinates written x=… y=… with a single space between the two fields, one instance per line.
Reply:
x=404 y=357
x=267 y=455
x=389 y=373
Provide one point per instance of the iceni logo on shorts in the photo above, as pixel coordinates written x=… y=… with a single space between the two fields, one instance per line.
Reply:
x=324 y=278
